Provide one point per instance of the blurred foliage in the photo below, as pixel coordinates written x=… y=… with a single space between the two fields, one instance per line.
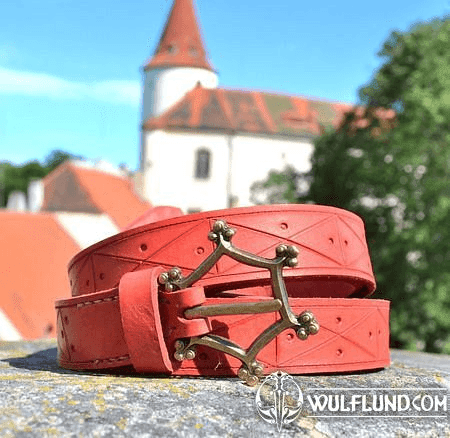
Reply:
x=392 y=168
x=14 y=177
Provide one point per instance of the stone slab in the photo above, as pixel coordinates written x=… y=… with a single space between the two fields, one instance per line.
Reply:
x=39 y=399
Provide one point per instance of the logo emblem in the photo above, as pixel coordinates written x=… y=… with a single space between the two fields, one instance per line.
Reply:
x=279 y=399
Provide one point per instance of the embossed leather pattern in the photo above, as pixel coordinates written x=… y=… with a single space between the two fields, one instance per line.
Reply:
x=120 y=316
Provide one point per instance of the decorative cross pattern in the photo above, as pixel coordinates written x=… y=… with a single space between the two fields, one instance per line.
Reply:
x=286 y=256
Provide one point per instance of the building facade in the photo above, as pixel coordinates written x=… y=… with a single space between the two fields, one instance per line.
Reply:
x=204 y=146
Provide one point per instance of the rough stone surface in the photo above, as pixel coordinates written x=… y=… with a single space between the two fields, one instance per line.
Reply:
x=39 y=399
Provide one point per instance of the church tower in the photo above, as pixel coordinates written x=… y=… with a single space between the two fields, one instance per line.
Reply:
x=179 y=63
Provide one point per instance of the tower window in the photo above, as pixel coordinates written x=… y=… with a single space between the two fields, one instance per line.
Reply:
x=172 y=49
x=202 y=163
x=193 y=51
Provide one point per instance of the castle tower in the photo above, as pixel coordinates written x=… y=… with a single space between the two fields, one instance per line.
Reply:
x=179 y=63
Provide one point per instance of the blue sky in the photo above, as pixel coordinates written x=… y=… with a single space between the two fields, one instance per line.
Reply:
x=70 y=73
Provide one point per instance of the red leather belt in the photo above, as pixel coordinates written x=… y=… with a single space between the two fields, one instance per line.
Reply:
x=243 y=291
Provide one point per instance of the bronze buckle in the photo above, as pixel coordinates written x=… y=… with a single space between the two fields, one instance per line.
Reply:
x=286 y=256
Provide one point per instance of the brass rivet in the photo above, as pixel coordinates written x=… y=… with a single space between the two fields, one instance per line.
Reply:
x=189 y=354
x=200 y=250
x=258 y=370
x=314 y=328
x=179 y=356
x=179 y=344
x=252 y=380
x=242 y=374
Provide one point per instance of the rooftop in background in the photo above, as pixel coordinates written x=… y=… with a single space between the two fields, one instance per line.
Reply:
x=181 y=42
x=35 y=253
x=250 y=111
x=84 y=188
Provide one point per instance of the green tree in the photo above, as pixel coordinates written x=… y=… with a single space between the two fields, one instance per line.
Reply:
x=18 y=177
x=392 y=168
x=57 y=157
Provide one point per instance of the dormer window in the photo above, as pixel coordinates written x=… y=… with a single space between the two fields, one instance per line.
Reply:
x=202 y=163
x=193 y=51
x=171 y=49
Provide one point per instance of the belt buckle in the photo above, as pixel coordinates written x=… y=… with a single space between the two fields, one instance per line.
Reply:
x=305 y=323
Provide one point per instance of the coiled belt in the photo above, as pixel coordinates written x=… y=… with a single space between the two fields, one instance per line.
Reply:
x=242 y=291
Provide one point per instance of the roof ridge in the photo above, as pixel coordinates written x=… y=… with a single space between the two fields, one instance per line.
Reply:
x=55 y=172
x=285 y=94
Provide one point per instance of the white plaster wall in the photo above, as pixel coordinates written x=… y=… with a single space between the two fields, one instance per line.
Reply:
x=169 y=177
x=8 y=331
x=254 y=156
x=165 y=87
x=87 y=229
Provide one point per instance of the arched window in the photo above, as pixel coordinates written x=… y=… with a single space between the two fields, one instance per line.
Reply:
x=202 y=163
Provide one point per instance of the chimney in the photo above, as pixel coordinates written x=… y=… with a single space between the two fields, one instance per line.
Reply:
x=17 y=201
x=35 y=195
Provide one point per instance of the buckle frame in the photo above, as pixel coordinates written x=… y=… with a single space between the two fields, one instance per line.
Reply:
x=305 y=324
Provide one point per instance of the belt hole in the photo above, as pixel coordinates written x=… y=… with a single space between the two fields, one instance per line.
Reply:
x=102 y=276
x=346 y=242
x=66 y=320
x=284 y=226
x=87 y=282
x=338 y=320
x=331 y=240
x=339 y=352
x=370 y=335
x=72 y=348
x=143 y=247
x=62 y=334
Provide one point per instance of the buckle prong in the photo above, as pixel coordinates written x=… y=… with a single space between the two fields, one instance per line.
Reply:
x=305 y=324
x=233 y=309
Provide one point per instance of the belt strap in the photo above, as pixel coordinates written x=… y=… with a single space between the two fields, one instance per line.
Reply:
x=158 y=320
x=105 y=331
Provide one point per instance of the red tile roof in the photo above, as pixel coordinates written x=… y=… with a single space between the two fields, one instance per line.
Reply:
x=181 y=42
x=79 y=189
x=249 y=111
x=34 y=258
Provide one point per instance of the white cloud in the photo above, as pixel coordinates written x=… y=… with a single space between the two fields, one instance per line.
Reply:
x=43 y=85
x=126 y=92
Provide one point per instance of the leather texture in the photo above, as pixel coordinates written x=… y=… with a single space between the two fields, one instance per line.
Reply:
x=119 y=316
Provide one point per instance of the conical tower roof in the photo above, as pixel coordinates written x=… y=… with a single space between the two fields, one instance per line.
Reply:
x=181 y=43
